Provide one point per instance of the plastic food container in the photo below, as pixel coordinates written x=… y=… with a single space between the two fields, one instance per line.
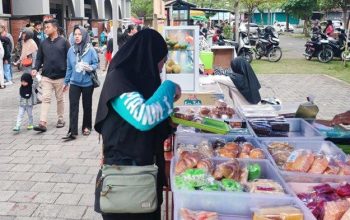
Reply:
x=185 y=138
x=237 y=203
x=230 y=209
x=328 y=148
x=299 y=129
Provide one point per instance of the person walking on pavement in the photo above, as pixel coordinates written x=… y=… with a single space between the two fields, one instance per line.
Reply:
x=82 y=60
x=5 y=42
x=39 y=35
x=26 y=102
x=28 y=57
x=52 y=55
x=7 y=65
x=2 y=78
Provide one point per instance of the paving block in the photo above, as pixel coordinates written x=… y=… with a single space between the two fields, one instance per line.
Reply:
x=68 y=199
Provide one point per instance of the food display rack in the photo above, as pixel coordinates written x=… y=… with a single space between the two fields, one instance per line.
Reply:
x=182 y=66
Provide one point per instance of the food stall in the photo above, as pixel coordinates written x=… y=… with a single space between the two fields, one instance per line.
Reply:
x=246 y=162
x=282 y=168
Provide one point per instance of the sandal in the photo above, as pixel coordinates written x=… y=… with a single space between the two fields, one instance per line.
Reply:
x=60 y=124
x=86 y=132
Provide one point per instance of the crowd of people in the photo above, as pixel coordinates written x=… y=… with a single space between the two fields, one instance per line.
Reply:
x=52 y=63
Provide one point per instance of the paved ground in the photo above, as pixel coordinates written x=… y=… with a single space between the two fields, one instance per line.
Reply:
x=292 y=48
x=42 y=177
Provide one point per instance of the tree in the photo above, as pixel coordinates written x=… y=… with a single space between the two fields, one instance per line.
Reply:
x=343 y=4
x=301 y=9
x=142 y=8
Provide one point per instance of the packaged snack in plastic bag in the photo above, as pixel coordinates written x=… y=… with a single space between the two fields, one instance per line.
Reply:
x=195 y=177
x=319 y=165
x=231 y=185
x=299 y=161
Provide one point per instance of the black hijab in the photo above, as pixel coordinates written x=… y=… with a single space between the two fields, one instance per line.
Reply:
x=26 y=91
x=133 y=68
x=245 y=80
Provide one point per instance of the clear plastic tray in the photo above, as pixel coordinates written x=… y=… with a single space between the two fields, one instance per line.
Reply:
x=299 y=129
x=185 y=138
x=230 y=203
x=237 y=204
x=316 y=146
x=233 y=209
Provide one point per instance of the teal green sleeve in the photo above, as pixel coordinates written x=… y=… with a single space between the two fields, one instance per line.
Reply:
x=146 y=114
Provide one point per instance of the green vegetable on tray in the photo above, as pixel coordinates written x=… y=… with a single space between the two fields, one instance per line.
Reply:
x=231 y=185
x=254 y=172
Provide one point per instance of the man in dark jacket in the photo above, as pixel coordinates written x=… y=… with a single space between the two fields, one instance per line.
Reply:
x=52 y=57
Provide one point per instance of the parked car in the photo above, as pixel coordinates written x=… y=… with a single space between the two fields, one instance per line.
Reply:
x=282 y=27
x=253 y=28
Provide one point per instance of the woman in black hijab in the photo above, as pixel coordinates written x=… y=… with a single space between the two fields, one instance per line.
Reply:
x=242 y=83
x=134 y=72
x=245 y=80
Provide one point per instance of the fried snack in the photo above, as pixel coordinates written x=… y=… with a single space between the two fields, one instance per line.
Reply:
x=206 y=165
x=320 y=165
x=247 y=147
x=229 y=170
x=257 y=154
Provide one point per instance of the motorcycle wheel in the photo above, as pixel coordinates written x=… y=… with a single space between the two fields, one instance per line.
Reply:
x=325 y=55
x=344 y=57
x=275 y=54
x=257 y=56
x=308 y=58
x=246 y=55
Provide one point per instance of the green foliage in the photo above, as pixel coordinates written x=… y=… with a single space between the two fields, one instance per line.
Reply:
x=142 y=8
x=227 y=30
x=216 y=4
x=300 y=8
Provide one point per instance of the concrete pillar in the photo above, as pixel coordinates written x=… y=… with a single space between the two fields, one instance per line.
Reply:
x=100 y=5
x=1 y=9
x=36 y=7
x=116 y=4
x=79 y=8
x=128 y=9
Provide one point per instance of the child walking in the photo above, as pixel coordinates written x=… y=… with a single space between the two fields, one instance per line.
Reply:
x=26 y=101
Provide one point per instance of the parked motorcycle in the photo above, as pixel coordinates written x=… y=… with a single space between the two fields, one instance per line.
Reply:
x=319 y=47
x=243 y=48
x=338 y=46
x=268 y=45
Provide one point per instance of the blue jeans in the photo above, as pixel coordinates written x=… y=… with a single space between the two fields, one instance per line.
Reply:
x=8 y=72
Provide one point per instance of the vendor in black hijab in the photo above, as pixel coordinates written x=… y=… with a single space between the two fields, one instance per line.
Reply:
x=245 y=80
x=133 y=111
x=243 y=84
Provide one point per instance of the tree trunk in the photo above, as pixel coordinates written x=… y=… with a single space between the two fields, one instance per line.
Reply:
x=287 y=22
x=345 y=17
x=269 y=17
x=237 y=18
x=306 y=27
x=249 y=17
x=262 y=18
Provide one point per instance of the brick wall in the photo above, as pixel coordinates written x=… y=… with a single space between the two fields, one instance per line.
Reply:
x=70 y=25
x=16 y=26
